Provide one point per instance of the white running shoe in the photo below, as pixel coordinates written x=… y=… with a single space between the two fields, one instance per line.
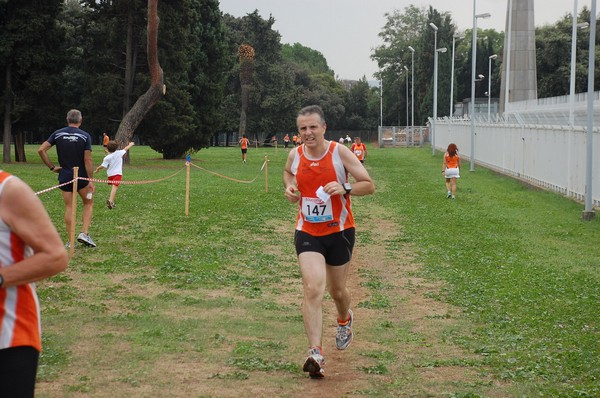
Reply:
x=343 y=337
x=314 y=364
x=86 y=240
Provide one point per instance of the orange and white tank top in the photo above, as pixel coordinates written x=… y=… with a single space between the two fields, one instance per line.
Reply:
x=359 y=150
x=19 y=306
x=319 y=215
x=451 y=161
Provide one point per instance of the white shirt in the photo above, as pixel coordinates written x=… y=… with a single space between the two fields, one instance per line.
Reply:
x=113 y=162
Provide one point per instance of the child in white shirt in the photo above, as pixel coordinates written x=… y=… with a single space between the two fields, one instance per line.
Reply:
x=113 y=163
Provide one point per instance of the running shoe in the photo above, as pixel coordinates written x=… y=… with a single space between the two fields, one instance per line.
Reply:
x=110 y=205
x=86 y=240
x=314 y=364
x=343 y=337
x=449 y=194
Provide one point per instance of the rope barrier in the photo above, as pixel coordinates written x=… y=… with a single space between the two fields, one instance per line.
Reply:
x=108 y=181
x=54 y=187
x=231 y=178
x=124 y=182
x=188 y=163
x=132 y=182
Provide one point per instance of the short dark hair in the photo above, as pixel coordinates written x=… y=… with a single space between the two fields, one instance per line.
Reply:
x=112 y=146
x=311 y=110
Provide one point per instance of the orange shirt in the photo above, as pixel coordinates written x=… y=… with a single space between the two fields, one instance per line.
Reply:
x=315 y=216
x=105 y=140
x=451 y=161
x=19 y=307
x=244 y=142
x=359 y=150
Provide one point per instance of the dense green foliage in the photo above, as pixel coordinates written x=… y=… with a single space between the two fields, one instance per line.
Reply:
x=92 y=55
x=410 y=27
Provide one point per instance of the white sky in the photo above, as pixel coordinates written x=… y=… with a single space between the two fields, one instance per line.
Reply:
x=345 y=31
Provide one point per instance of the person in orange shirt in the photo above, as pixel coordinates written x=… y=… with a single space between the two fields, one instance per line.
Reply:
x=450 y=169
x=359 y=149
x=30 y=250
x=316 y=177
x=105 y=140
x=295 y=139
x=286 y=141
x=244 y=143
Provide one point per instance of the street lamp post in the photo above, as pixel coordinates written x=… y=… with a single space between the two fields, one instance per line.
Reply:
x=435 y=80
x=588 y=213
x=381 y=101
x=573 y=60
x=452 y=75
x=490 y=58
x=473 y=65
x=406 y=69
x=412 y=90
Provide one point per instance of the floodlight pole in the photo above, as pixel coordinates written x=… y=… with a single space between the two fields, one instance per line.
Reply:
x=412 y=90
x=588 y=213
x=406 y=69
x=473 y=65
x=490 y=58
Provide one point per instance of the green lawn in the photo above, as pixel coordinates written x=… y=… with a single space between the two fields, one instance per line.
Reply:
x=518 y=262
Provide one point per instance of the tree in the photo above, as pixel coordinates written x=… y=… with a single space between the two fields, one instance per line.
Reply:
x=157 y=87
x=553 y=57
x=30 y=60
x=309 y=59
x=246 y=56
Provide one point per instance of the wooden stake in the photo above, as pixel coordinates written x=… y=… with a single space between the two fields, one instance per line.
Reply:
x=73 y=212
x=266 y=173
x=187 y=188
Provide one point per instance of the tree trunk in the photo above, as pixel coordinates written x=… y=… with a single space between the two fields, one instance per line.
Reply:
x=157 y=89
x=127 y=87
x=20 y=147
x=8 y=99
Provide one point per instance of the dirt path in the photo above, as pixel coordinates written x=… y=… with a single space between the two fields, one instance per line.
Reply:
x=408 y=334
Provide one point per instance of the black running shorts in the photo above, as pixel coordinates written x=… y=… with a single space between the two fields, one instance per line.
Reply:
x=336 y=247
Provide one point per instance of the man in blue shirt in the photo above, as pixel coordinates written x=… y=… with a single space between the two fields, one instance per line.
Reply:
x=74 y=149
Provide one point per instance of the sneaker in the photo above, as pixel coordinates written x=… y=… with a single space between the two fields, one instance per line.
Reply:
x=86 y=240
x=314 y=364
x=453 y=197
x=449 y=195
x=343 y=338
x=110 y=205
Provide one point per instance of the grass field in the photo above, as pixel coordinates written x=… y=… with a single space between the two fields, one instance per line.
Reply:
x=506 y=278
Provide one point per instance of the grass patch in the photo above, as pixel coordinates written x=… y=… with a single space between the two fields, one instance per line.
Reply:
x=221 y=285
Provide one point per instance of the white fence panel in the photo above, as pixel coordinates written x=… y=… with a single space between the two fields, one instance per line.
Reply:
x=552 y=157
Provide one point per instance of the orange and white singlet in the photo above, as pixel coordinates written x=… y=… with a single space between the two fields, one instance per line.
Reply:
x=19 y=305
x=316 y=216
x=451 y=161
x=359 y=150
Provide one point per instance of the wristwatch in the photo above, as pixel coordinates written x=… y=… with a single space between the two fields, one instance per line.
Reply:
x=1 y=280
x=347 y=187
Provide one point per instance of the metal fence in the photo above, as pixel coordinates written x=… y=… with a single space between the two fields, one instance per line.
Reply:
x=402 y=136
x=552 y=157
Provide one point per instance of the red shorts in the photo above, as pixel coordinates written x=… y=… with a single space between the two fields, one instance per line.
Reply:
x=114 y=180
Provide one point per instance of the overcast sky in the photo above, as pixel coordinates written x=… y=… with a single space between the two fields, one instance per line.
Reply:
x=346 y=31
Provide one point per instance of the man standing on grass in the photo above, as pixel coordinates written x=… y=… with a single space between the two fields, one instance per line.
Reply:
x=74 y=149
x=316 y=177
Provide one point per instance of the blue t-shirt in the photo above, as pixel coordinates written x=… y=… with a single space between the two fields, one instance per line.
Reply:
x=71 y=143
